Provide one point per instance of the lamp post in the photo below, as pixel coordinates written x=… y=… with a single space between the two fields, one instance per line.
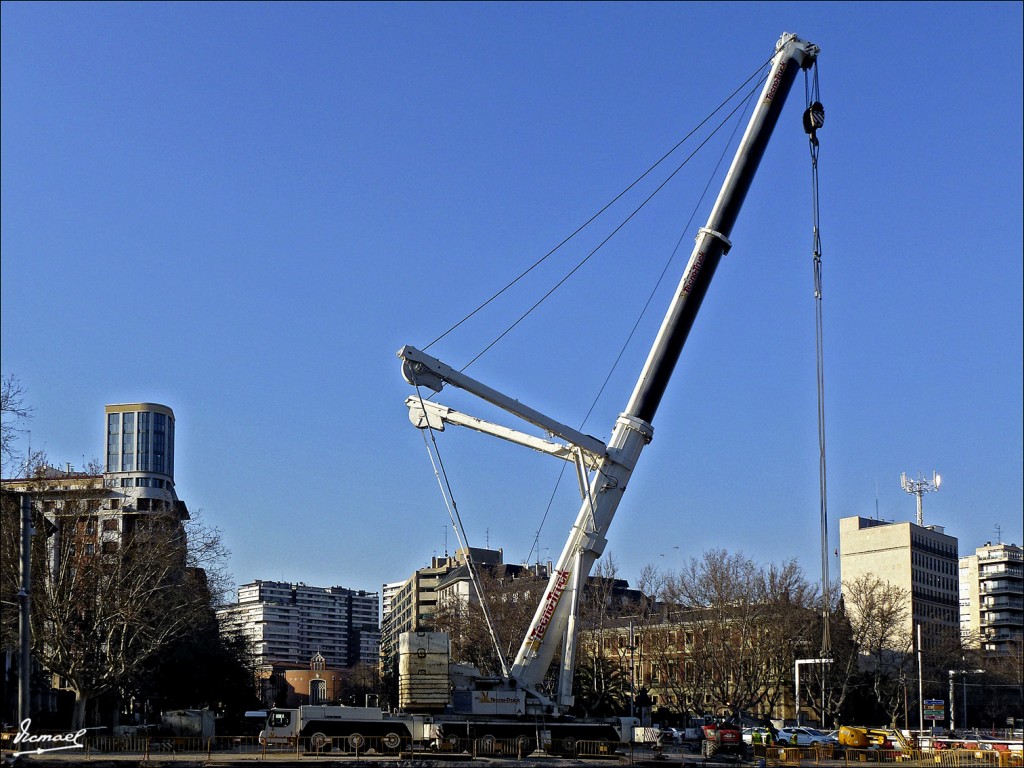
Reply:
x=24 y=603
x=952 y=672
x=796 y=680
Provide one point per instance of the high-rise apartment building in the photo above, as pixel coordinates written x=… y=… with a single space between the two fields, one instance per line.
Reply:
x=992 y=597
x=919 y=559
x=137 y=480
x=288 y=624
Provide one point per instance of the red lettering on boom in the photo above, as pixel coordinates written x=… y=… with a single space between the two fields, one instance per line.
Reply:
x=550 y=603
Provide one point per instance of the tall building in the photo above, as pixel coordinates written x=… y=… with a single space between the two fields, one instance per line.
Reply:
x=919 y=559
x=288 y=624
x=992 y=597
x=137 y=480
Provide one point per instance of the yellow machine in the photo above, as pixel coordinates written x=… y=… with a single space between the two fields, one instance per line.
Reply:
x=873 y=738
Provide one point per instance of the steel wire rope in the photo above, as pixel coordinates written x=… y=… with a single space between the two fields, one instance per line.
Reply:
x=758 y=72
x=643 y=311
x=612 y=234
x=814 y=117
x=453 y=514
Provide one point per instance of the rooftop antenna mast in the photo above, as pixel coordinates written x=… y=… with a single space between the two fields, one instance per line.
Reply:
x=919 y=488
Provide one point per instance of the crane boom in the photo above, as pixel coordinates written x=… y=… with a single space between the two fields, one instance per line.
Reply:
x=633 y=428
x=554 y=619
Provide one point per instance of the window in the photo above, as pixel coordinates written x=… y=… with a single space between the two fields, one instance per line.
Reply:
x=113 y=428
x=110 y=525
x=128 y=442
x=143 y=442
x=126 y=482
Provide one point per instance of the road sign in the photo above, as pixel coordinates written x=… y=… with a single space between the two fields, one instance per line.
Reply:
x=934 y=709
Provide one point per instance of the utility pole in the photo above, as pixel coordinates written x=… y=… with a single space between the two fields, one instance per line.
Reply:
x=25 y=632
x=919 y=488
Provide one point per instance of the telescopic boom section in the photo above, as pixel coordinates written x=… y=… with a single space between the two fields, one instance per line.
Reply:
x=633 y=428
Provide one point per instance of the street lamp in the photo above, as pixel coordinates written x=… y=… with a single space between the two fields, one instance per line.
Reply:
x=952 y=672
x=796 y=680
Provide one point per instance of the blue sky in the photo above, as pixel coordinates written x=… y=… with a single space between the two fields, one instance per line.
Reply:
x=242 y=211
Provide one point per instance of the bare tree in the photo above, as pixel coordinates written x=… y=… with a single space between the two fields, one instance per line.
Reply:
x=13 y=415
x=878 y=612
x=742 y=623
x=511 y=595
x=103 y=605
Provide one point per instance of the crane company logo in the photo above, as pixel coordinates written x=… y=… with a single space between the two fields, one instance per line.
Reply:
x=486 y=698
x=691 y=274
x=775 y=82
x=550 y=603
x=42 y=742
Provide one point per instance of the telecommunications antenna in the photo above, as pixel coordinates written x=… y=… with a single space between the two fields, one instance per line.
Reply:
x=919 y=488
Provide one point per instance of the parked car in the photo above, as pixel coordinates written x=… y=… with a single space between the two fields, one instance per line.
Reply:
x=764 y=734
x=806 y=737
x=671 y=736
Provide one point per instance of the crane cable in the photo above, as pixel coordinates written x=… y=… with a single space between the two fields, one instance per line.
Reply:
x=460 y=532
x=748 y=100
x=814 y=118
x=758 y=77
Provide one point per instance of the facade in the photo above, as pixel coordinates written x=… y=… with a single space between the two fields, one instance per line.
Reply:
x=288 y=624
x=919 y=559
x=992 y=597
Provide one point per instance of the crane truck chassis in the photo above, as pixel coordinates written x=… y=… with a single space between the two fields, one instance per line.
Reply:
x=457 y=702
x=321 y=728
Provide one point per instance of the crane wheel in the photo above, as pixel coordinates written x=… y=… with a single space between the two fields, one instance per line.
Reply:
x=319 y=741
x=524 y=745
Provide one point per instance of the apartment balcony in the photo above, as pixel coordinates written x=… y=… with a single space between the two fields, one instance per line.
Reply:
x=1002 y=618
x=999 y=603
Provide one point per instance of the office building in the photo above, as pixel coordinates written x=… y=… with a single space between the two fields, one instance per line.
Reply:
x=922 y=560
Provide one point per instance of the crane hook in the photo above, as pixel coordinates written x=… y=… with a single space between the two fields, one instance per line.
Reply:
x=814 y=118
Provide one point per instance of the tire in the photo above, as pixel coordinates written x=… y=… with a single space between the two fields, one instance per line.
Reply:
x=707 y=748
x=567 y=746
x=392 y=742
x=487 y=745
x=524 y=745
x=356 y=741
x=319 y=742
